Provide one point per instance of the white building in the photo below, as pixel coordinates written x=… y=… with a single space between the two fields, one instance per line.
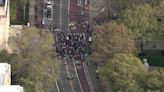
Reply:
x=5 y=74
x=5 y=79
x=4 y=23
x=11 y=88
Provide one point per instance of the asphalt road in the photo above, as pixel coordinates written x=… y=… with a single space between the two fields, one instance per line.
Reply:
x=61 y=22
x=82 y=77
x=76 y=16
x=66 y=84
x=61 y=18
x=64 y=14
x=56 y=14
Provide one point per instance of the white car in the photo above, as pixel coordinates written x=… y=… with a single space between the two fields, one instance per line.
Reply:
x=49 y=9
x=86 y=2
x=43 y=21
x=49 y=2
x=90 y=39
x=72 y=26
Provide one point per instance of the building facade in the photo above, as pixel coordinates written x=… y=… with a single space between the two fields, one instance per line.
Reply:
x=5 y=79
x=4 y=23
x=5 y=74
x=11 y=88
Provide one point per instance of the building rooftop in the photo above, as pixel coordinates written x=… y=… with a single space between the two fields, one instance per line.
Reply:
x=2 y=2
x=3 y=7
x=11 y=88
x=4 y=68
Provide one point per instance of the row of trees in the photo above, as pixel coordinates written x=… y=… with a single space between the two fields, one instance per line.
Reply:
x=33 y=62
x=114 y=46
x=126 y=73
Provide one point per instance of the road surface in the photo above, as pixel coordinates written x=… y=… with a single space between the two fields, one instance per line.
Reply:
x=77 y=16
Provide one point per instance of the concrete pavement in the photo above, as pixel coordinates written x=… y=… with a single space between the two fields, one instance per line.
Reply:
x=80 y=82
x=77 y=17
x=64 y=14
x=61 y=22
x=56 y=14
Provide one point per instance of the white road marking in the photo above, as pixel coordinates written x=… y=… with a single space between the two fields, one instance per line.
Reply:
x=57 y=86
x=68 y=12
x=68 y=74
x=88 y=77
x=77 y=76
x=61 y=1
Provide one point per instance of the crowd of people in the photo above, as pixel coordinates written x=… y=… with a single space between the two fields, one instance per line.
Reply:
x=73 y=45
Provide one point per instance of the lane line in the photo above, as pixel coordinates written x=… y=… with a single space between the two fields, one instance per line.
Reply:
x=68 y=12
x=61 y=81
x=61 y=1
x=88 y=77
x=77 y=76
x=73 y=90
x=62 y=86
x=57 y=86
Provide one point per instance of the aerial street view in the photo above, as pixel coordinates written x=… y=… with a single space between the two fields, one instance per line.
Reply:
x=81 y=45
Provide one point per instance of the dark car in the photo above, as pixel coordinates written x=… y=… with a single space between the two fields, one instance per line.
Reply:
x=48 y=14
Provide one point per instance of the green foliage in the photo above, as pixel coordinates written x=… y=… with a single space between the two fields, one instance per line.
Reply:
x=15 y=12
x=110 y=39
x=4 y=56
x=13 y=8
x=140 y=21
x=154 y=81
x=124 y=72
x=123 y=4
x=159 y=13
x=33 y=63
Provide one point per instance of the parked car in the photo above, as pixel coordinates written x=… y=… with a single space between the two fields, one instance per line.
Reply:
x=48 y=13
x=49 y=4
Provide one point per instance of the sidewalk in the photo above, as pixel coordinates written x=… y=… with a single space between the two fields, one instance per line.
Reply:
x=32 y=13
x=35 y=13
x=99 y=84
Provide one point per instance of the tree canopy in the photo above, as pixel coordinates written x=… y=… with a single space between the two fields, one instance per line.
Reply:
x=123 y=4
x=140 y=21
x=154 y=81
x=126 y=73
x=114 y=42
x=111 y=38
x=34 y=65
x=159 y=14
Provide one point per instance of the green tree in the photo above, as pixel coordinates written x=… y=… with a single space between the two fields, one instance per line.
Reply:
x=4 y=56
x=33 y=62
x=154 y=81
x=13 y=10
x=123 y=4
x=141 y=22
x=110 y=39
x=159 y=13
x=124 y=72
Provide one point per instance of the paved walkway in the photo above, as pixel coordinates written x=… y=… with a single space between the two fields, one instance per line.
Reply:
x=99 y=84
x=32 y=13
x=76 y=17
